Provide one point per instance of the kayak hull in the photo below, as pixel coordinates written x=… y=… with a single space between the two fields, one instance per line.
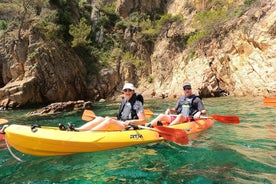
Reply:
x=50 y=141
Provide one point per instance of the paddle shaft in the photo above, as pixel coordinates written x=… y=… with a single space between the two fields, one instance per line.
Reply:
x=219 y=118
x=269 y=101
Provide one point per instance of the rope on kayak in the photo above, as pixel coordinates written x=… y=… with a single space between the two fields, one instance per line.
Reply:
x=13 y=155
x=7 y=144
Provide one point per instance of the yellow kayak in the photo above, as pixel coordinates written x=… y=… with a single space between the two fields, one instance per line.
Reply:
x=50 y=141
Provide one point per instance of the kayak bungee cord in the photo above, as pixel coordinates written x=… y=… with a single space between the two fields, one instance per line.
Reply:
x=13 y=155
x=8 y=146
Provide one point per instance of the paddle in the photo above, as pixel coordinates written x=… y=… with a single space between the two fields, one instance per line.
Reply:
x=149 y=113
x=269 y=101
x=219 y=118
x=3 y=121
x=223 y=119
x=88 y=115
x=171 y=134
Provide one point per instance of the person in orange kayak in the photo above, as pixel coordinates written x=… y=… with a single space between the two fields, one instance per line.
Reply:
x=188 y=107
x=131 y=111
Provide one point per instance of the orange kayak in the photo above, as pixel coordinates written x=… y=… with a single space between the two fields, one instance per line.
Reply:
x=271 y=101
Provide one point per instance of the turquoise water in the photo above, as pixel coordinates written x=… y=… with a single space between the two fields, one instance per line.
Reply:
x=244 y=153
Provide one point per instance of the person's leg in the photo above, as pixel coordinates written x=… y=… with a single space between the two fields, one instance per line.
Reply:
x=179 y=119
x=160 y=117
x=109 y=124
x=91 y=124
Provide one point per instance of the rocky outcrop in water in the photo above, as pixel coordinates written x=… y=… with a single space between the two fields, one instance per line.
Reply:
x=59 y=107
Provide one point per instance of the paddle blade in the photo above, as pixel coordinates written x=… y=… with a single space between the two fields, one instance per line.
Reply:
x=226 y=119
x=148 y=113
x=88 y=115
x=171 y=134
x=3 y=121
x=270 y=101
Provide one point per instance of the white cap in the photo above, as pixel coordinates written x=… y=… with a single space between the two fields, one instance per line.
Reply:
x=186 y=84
x=128 y=86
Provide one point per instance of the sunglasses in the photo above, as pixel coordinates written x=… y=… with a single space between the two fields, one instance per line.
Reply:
x=125 y=90
x=188 y=88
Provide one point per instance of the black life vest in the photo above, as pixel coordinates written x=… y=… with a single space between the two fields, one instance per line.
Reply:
x=187 y=106
x=126 y=111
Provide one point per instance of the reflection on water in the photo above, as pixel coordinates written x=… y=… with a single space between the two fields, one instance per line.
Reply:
x=244 y=153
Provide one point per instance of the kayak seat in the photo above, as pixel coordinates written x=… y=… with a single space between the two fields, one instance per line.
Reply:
x=34 y=127
x=61 y=127
x=132 y=127
x=158 y=123
x=70 y=127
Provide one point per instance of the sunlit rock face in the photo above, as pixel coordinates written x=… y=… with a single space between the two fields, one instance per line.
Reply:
x=239 y=62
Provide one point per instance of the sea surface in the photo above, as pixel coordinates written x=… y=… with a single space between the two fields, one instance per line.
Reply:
x=243 y=153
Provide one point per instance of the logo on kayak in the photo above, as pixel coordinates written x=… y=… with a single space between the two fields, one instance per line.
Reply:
x=136 y=136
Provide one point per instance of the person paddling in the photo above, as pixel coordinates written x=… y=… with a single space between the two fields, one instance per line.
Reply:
x=188 y=106
x=131 y=111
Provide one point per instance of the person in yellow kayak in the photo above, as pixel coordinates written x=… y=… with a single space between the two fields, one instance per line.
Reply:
x=188 y=107
x=131 y=111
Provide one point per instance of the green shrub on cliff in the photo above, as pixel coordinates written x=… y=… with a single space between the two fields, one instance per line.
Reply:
x=80 y=33
x=3 y=25
x=195 y=37
x=160 y=27
x=130 y=59
x=207 y=22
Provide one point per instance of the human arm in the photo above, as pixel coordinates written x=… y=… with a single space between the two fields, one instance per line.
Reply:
x=171 y=111
x=140 y=121
x=199 y=113
x=200 y=107
x=138 y=107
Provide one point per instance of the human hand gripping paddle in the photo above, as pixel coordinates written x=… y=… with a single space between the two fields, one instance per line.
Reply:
x=219 y=118
x=171 y=134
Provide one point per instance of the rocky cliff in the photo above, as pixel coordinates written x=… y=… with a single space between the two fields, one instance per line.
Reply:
x=239 y=61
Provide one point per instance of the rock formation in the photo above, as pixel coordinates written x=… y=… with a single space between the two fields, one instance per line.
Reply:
x=239 y=62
